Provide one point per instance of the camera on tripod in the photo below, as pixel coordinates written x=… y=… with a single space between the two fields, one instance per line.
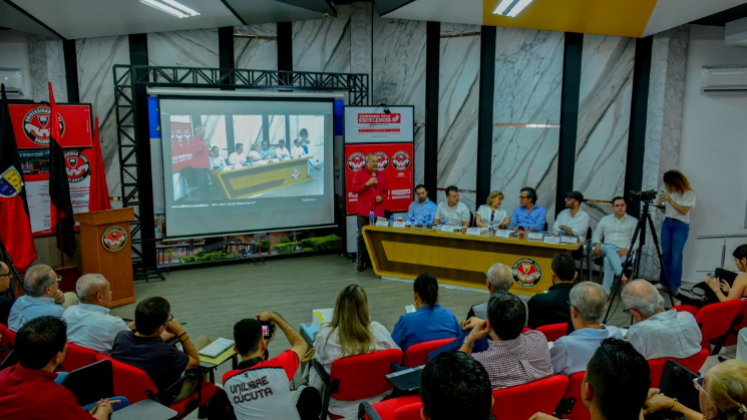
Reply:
x=648 y=195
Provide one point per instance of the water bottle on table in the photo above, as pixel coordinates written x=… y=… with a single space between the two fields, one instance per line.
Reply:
x=491 y=230
x=371 y=218
x=443 y=222
x=391 y=219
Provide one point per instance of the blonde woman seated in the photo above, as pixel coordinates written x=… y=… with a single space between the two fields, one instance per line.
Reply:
x=723 y=395
x=491 y=212
x=350 y=333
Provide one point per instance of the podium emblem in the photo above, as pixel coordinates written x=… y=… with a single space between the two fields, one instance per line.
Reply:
x=526 y=272
x=114 y=239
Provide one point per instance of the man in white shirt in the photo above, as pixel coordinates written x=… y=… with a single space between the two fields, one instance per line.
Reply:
x=657 y=333
x=216 y=162
x=237 y=158
x=573 y=220
x=89 y=323
x=297 y=151
x=617 y=231
x=454 y=212
x=282 y=152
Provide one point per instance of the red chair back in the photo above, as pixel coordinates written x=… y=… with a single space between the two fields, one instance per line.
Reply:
x=553 y=331
x=687 y=308
x=521 y=402
x=9 y=337
x=386 y=409
x=694 y=363
x=130 y=381
x=572 y=398
x=77 y=357
x=732 y=339
x=525 y=330
x=362 y=376
x=408 y=412
x=715 y=320
x=417 y=355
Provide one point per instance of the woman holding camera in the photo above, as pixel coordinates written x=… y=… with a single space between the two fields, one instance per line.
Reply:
x=676 y=203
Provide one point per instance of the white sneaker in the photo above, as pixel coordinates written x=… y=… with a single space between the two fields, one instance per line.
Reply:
x=659 y=286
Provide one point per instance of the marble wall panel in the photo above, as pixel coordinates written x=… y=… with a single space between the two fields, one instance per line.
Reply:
x=603 y=118
x=399 y=72
x=96 y=57
x=47 y=65
x=195 y=48
x=458 y=109
x=260 y=54
x=323 y=45
x=528 y=79
x=361 y=34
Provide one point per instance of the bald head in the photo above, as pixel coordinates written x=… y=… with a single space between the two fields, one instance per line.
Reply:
x=500 y=277
x=91 y=288
x=643 y=297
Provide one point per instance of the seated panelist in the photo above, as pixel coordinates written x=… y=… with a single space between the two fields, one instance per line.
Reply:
x=529 y=216
x=422 y=210
x=451 y=210
x=492 y=213
x=573 y=220
x=238 y=157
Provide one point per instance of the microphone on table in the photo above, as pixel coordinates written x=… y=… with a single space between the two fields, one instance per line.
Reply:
x=374 y=177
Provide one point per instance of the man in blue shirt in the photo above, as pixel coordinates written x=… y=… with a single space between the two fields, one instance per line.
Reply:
x=423 y=209
x=267 y=152
x=43 y=297
x=571 y=353
x=529 y=216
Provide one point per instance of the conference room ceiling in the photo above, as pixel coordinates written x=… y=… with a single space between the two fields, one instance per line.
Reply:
x=72 y=19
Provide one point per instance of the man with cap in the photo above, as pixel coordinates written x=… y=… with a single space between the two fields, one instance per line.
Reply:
x=573 y=220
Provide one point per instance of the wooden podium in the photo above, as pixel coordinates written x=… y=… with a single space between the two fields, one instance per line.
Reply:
x=105 y=242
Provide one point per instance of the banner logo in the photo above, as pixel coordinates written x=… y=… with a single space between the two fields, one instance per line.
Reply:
x=296 y=173
x=10 y=183
x=526 y=272
x=383 y=160
x=356 y=161
x=36 y=125
x=114 y=239
x=76 y=166
x=401 y=160
x=379 y=118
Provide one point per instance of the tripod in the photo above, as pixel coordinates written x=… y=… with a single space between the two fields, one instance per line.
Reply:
x=640 y=235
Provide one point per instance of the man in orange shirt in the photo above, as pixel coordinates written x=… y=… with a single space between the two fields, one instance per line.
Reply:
x=371 y=187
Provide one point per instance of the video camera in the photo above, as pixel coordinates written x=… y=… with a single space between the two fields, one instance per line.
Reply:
x=648 y=195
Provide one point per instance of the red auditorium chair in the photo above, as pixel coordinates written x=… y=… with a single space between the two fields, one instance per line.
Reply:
x=571 y=407
x=417 y=354
x=357 y=377
x=694 y=363
x=521 y=402
x=391 y=409
x=9 y=337
x=525 y=330
x=739 y=322
x=4 y=344
x=553 y=331
x=77 y=357
x=687 y=308
x=715 y=320
x=136 y=385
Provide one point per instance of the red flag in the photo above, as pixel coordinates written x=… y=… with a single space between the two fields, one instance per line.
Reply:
x=15 y=224
x=59 y=189
x=99 y=192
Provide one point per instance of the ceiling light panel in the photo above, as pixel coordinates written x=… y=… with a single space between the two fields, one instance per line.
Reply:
x=171 y=7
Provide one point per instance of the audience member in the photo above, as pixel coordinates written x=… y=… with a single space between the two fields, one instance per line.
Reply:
x=455 y=386
x=512 y=358
x=5 y=302
x=498 y=278
x=552 y=307
x=616 y=383
x=721 y=287
x=144 y=348
x=350 y=333
x=89 y=323
x=43 y=297
x=452 y=211
x=657 y=333
x=723 y=395
x=571 y=353
x=260 y=389
x=528 y=216
x=573 y=221
x=28 y=390
x=616 y=230
x=429 y=321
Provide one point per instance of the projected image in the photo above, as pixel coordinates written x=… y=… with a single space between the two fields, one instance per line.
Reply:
x=194 y=147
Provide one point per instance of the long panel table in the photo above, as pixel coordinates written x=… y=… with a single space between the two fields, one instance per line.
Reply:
x=459 y=259
x=250 y=180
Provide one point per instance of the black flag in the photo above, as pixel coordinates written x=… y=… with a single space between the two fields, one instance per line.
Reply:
x=59 y=190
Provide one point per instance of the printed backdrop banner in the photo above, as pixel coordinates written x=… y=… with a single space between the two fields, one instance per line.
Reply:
x=31 y=125
x=368 y=124
x=395 y=161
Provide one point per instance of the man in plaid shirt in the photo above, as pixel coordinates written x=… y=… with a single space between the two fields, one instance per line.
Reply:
x=512 y=358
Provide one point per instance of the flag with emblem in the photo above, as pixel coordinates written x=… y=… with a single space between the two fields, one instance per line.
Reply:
x=15 y=223
x=59 y=189
x=99 y=192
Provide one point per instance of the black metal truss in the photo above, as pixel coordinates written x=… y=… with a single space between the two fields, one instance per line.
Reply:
x=133 y=142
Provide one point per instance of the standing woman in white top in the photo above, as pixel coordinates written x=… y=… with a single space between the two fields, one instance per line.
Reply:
x=350 y=333
x=678 y=200
x=491 y=212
